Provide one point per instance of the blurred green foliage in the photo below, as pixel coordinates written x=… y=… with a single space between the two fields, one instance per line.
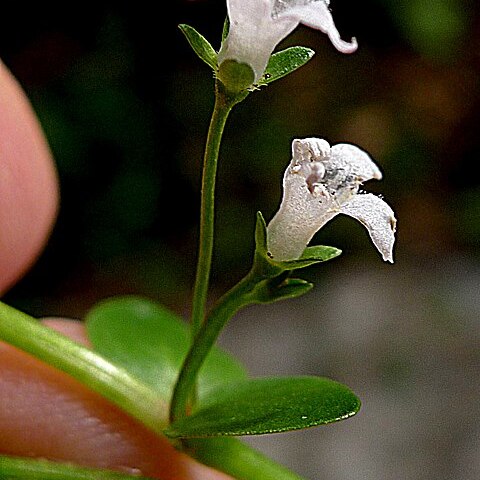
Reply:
x=435 y=28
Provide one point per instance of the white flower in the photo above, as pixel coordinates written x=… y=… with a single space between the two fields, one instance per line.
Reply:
x=257 y=26
x=321 y=182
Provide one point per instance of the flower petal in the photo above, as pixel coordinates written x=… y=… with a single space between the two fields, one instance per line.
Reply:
x=314 y=14
x=241 y=10
x=319 y=183
x=378 y=218
x=354 y=161
x=253 y=34
x=258 y=26
x=301 y=214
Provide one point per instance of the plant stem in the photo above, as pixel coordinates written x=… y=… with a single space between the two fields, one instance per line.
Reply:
x=234 y=299
x=237 y=459
x=33 y=469
x=113 y=383
x=223 y=105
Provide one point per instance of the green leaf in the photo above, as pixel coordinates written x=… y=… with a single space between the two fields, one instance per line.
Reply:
x=268 y=405
x=200 y=45
x=151 y=342
x=285 y=62
x=311 y=255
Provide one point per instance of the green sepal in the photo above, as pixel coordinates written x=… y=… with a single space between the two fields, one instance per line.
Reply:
x=261 y=236
x=285 y=62
x=267 y=405
x=200 y=45
x=236 y=77
x=280 y=288
x=310 y=256
x=262 y=264
x=226 y=28
x=151 y=342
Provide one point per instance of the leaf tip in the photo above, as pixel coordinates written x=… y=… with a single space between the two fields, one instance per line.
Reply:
x=309 y=52
x=184 y=28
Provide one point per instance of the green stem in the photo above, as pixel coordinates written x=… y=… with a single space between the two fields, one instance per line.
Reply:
x=237 y=459
x=113 y=383
x=33 y=469
x=206 y=337
x=223 y=105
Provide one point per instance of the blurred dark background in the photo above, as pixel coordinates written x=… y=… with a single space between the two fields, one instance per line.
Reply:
x=125 y=105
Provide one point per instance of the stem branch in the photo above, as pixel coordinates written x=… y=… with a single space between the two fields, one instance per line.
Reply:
x=21 y=468
x=223 y=106
x=238 y=459
x=206 y=337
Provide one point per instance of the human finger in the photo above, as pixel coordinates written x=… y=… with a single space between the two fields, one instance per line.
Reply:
x=47 y=414
x=28 y=183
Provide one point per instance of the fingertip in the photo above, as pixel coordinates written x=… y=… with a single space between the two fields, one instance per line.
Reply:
x=28 y=183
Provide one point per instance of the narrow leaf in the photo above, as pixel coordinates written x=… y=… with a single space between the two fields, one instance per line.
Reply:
x=151 y=342
x=200 y=45
x=285 y=62
x=268 y=405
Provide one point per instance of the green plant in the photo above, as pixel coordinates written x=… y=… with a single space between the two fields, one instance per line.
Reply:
x=171 y=377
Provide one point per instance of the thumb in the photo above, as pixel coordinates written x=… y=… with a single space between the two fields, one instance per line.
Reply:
x=28 y=183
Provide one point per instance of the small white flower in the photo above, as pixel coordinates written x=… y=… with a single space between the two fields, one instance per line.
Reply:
x=320 y=183
x=257 y=26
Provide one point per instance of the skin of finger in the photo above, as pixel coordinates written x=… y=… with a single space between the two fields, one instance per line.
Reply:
x=47 y=414
x=28 y=183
